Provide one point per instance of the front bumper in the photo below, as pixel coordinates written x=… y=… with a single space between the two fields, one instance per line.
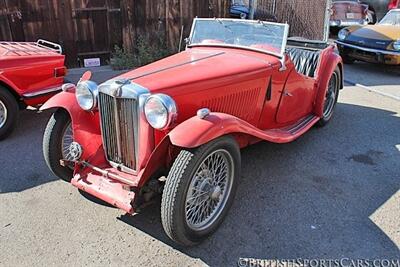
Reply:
x=107 y=184
x=106 y=189
x=346 y=23
x=369 y=54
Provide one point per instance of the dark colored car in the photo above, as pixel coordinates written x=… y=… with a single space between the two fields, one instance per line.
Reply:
x=379 y=43
x=239 y=9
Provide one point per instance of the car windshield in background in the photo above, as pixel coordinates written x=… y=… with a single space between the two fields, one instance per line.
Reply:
x=254 y=35
x=392 y=18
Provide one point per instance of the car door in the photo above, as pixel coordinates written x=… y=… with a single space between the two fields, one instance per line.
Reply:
x=296 y=98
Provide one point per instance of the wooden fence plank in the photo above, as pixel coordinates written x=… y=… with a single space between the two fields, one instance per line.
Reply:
x=90 y=26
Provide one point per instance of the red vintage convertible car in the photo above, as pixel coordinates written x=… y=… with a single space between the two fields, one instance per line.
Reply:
x=185 y=118
x=30 y=74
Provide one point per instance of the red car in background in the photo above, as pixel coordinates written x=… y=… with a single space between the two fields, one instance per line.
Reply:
x=30 y=73
x=349 y=12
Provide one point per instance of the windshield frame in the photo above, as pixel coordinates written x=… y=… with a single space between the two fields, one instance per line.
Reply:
x=388 y=14
x=280 y=55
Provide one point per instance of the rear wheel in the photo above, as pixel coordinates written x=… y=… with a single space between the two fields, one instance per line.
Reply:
x=8 y=113
x=56 y=141
x=199 y=190
x=331 y=97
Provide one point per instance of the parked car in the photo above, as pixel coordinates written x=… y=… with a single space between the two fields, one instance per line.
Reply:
x=30 y=74
x=186 y=117
x=379 y=8
x=349 y=12
x=239 y=9
x=378 y=43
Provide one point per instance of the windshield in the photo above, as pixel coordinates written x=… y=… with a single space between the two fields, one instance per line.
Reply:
x=392 y=18
x=254 y=35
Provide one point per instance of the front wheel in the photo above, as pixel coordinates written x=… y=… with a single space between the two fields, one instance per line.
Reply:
x=331 y=97
x=8 y=113
x=56 y=141
x=345 y=57
x=199 y=190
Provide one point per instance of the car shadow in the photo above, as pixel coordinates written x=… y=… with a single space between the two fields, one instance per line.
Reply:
x=312 y=198
x=21 y=158
x=21 y=155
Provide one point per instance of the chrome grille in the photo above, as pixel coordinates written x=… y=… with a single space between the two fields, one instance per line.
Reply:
x=119 y=120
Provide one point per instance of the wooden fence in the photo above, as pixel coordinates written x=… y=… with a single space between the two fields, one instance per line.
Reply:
x=91 y=28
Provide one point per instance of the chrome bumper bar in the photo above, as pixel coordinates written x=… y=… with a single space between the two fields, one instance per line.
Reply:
x=344 y=23
x=372 y=50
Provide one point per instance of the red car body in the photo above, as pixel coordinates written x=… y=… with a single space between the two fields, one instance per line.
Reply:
x=30 y=74
x=186 y=117
x=197 y=78
x=33 y=73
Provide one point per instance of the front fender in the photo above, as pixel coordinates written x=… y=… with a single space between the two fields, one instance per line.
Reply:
x=10 y=84
x=85 y=125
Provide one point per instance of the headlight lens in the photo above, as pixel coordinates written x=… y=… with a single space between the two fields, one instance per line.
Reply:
x=343 y=34
x=396 y=45
x=86 y=95
x=160 y=111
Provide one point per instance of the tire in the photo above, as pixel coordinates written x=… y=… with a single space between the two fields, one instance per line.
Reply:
x=371 y=17
x=53 y=141
x=179 y=183
x=334 y=30
x=347 y=59
x=330 y=107
x=9 y=111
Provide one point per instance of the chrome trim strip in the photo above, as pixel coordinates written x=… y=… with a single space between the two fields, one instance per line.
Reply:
x=43 y=92
x=372 y=50
x=177 y=65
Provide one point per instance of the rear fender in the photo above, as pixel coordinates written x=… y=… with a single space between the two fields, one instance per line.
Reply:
x=326 y=68
x=85 y=125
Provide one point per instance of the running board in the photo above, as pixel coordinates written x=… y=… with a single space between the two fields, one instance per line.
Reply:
x=292 y=132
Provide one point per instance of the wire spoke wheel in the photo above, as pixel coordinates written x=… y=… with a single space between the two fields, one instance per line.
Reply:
x=331 y=94
x=3 y=114
x=66 y=141
x=209 y=190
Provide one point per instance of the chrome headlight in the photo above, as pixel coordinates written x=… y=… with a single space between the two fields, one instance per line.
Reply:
x=160 y=111
x=86 y=95
x=396 y=45
x=343 y=34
